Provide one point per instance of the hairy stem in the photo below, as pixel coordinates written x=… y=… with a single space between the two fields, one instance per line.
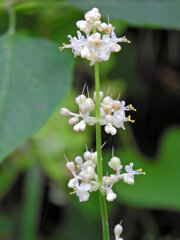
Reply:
x=99 y=157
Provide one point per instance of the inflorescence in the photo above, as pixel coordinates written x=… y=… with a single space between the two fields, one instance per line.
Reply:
x=94 y=46
x=112 y=113
x=85 y=179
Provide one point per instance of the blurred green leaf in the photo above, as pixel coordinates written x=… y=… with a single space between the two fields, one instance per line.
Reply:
x=31 y=204
x=34 y=79
x=153 y=13
x=57 y=138
x=159 y=188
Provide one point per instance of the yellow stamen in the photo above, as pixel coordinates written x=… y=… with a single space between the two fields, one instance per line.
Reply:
x=130 y=120
x=132 y=108
x=61 y=48
x=74 y=191
x=141 y=171
x=126 y=39
x=78 y=166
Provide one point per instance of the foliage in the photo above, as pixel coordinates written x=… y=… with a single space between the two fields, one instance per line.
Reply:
x=34 y=79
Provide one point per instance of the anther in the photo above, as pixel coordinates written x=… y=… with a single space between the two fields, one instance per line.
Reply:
x=126 y=39
x=132 y=108
x=141 y=171
x=61 y=48
x=130 y=120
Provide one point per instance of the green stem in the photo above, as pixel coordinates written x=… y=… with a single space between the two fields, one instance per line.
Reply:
x=99 y=157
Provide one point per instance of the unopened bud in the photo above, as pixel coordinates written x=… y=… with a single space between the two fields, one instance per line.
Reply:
x=79 y=160
x=73 y=120
x=64 y=111
x=87 y=155
x=113 y=130
x=108 y=101
x=94 y=157
x=114 y=163
x=107 y=129
x=70 y=166
x=80 y=99
x=118 y=230
x=90 y=104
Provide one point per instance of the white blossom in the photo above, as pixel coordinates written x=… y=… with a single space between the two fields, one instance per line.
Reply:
x=128 y=177
x=112 y=113
x=85 y=178
x=111 y=196
x=117 y=231
x=94 y=46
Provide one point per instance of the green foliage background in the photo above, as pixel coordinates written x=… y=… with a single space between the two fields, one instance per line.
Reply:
x=35 y=80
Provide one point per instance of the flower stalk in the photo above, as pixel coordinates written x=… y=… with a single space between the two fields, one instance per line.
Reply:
x=87 y=172
x=103 y=207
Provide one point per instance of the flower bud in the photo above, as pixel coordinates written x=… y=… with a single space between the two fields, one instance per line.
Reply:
x=90 y=171
x=80 y=99
x=113 y=130
x=70 y=166
x=87 y=155
x=110 y=195
x=118 y=230
x=114 y=163
x=90 y=104
x=107 y=129
x=94 y=157
x=108 y=101
x=104 y=26
x=76 y=127
x=73 y=120
x=82 y=125
x=64 y=111
x=79 y=160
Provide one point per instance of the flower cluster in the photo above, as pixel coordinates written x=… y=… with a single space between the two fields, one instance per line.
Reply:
x=85 y=179
x=112 y=113
x=94 y=46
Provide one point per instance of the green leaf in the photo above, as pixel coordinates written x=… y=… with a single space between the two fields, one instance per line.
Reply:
x=159 y=188
x=35 y=77
x=151 y=13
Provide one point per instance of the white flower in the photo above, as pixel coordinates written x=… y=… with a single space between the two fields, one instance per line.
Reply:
x=111 y=196
x=112 y=113
x=129 y=176
x=85 y=178
x=93 y=46
x=82 y=191
x=117 y=231
x=115 y=163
